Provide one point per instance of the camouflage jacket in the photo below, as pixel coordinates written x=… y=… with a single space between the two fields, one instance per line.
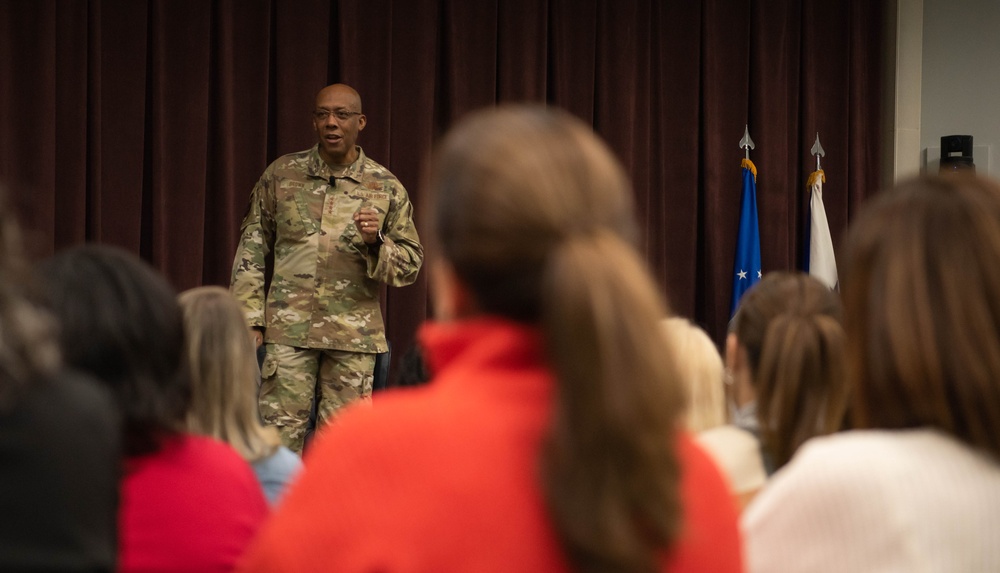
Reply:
x=324 y=285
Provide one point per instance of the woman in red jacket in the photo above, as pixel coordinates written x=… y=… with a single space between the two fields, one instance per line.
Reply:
x=548 y=438
x=188 y=503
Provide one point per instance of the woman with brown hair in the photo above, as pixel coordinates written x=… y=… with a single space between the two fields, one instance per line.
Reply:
x=224 y=374
x=917 y=486
x=785 y=353
x=548 y=437
x=784 y=362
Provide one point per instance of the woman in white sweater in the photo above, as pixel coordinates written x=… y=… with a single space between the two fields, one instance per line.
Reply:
x=916 y=487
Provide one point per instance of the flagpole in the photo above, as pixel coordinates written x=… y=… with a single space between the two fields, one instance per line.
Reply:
x=746 y=143
x=817 y=150
x=822 y=260
x=746 y=263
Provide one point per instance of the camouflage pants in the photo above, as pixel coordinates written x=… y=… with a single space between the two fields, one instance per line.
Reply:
x=295 y=380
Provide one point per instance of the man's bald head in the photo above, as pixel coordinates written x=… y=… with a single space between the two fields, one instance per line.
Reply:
x=343 y=90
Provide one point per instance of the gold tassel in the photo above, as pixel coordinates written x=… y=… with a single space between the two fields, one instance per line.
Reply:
x=818 y=174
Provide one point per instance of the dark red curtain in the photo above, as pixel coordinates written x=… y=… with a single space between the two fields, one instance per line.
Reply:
x=144 y=123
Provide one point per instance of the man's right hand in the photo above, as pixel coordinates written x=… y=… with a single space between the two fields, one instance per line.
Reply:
x=257 y=337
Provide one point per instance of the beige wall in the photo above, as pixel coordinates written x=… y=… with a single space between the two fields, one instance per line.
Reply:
x=904 y=107
x=960 y=87
x=943 y=79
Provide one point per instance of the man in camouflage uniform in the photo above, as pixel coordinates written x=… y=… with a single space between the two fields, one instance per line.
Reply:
x=337 y=224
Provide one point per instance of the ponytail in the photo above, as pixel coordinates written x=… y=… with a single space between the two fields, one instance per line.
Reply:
x=610 y=476
x=799 y=382
x=535 y=215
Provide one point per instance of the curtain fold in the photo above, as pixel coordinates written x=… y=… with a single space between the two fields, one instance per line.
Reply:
x=145 y=123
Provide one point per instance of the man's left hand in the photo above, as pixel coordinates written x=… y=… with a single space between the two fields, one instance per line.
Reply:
x=366 y=220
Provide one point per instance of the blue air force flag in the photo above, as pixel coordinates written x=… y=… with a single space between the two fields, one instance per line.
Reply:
x=746 y=268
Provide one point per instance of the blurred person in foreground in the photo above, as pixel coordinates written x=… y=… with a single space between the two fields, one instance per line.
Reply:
x=188 y=502
x=60 y=437
x=916 y=487
x=224 y=387
x=548 y=438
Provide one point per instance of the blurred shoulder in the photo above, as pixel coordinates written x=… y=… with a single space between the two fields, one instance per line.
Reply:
x=396 y=413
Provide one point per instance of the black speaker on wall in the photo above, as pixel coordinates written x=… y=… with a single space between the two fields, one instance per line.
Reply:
x=956 y=153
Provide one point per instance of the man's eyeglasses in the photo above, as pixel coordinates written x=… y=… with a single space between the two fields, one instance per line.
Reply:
x=341 y=114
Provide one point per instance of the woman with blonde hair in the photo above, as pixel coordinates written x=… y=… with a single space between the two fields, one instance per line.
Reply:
x=701 y=368
x=916 y=486
x=548 y=438
x=224 y=390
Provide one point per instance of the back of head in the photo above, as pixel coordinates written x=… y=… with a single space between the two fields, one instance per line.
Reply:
x=534 y=215
x=520 y=181
x=120 y=322
x=790 y=326
x=700 y=366
x=223 y=367
x=922 y=300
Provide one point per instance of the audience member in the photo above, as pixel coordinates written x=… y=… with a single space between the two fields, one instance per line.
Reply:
x=916 y=487
x=700 y=367
x=547 y=440
x=60 y=439
x=224 y=386
x=784 y=358
x=412 y=370
x=188 y=503
x=785 y=353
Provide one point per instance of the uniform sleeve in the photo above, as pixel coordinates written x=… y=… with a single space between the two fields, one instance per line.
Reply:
x=398 y=259
x=256 y=242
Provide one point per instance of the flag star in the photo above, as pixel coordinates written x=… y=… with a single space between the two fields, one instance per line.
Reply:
x=742 y=274
x=758 y=274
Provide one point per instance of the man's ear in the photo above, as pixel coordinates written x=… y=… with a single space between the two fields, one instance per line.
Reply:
x=733 y=358
x=738 y=363
x=452 y=299
x=362 y=121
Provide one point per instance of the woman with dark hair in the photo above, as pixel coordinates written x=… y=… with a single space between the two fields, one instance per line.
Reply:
x=188 y=503
x=60 y=438
x=548 y=438
x=916 y=487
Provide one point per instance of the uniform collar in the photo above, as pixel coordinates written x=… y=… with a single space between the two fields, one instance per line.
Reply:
x=316 y=167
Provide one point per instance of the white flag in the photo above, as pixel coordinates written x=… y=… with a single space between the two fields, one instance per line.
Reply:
x=822 y=262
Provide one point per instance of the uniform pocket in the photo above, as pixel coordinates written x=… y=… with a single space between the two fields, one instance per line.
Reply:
x=294 y=218
x=269 y=367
